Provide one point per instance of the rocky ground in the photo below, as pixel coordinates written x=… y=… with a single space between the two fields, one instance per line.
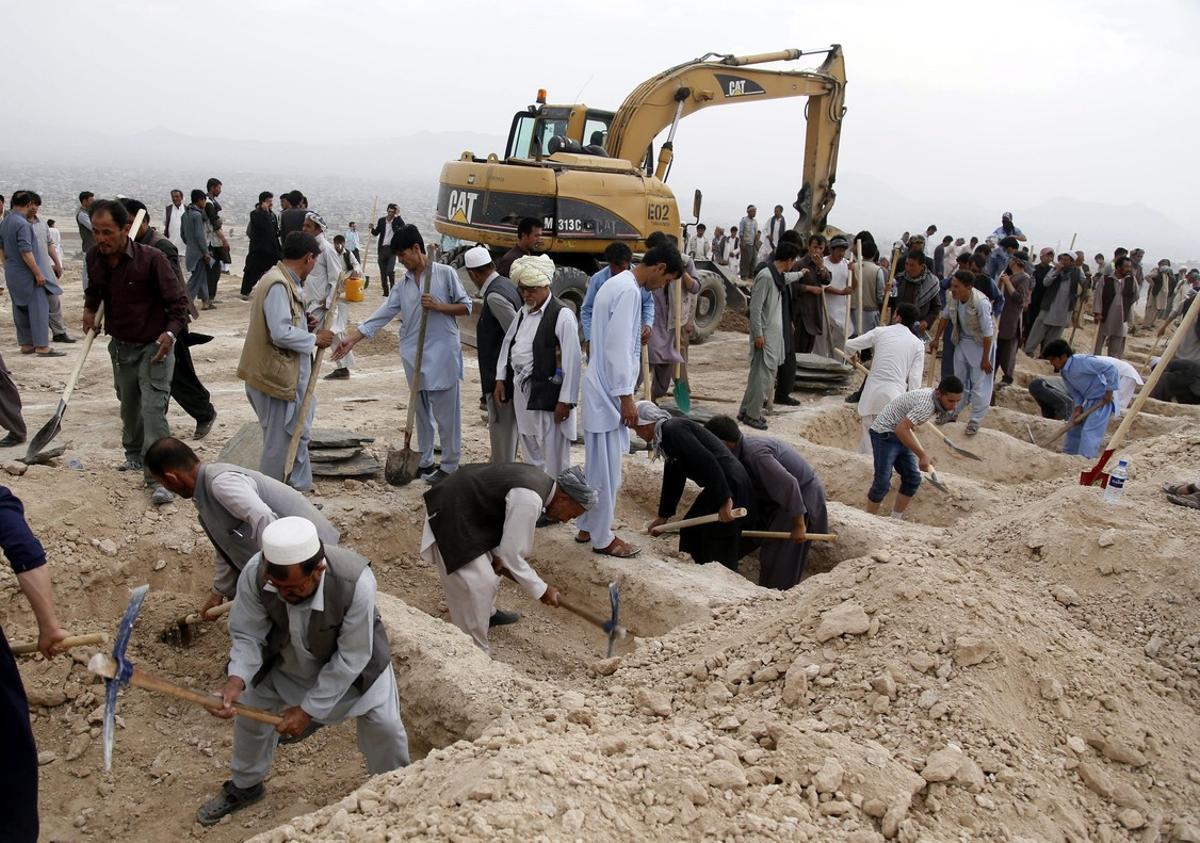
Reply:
x=1018 y=661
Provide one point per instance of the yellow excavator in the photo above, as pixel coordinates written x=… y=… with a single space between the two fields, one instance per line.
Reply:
x=592 y=176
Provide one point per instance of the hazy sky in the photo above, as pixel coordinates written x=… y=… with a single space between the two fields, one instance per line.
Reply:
x=998 y=104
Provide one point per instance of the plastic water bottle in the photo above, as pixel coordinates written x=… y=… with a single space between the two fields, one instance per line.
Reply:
x=557 y=377
x=1116 y=482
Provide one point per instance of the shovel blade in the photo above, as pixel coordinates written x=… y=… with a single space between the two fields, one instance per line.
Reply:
x=401 y=466
x=49 y=430
x=1097 y=474
x=683 y=396
x=964 y=451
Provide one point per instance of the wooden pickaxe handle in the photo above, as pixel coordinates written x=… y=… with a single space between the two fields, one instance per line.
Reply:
x=771 y=534
x=106 y=666
x=91 y=639
x=595 y=620
x=208 y=615
x=1062 y=431
x=675 y=526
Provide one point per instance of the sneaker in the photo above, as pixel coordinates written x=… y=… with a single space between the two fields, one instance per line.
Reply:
x=11 y=441
x=130 y=465
x=231 y=798
x=972 y=428
x=787 y=401
x=203 y=428
x=338 y=375
x=160 y=495
x=62 y=338
x=853 y=397
x=243 y=297
x=424 y=470
x=503 y=618
x=757 y=424
x=436 y=477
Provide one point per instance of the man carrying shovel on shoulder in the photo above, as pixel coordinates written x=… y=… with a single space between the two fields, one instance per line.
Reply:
x=434 y=315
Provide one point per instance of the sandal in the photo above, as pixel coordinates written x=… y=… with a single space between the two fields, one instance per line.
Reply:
x=1190 y=501
x=231 y=798
x=618 y=549
x=583 y=537
x=972 y=428
x=1180 y=489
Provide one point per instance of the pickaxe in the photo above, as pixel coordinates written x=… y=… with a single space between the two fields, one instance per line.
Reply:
x=181 y=632
x=612 y=626
x=118 y=671
x=30 y=647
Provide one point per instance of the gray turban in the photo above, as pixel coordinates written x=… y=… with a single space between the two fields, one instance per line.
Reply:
x=575 y=486
x=650 y=413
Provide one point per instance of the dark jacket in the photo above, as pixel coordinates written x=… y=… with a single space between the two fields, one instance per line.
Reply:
x=547 y=356
x=263 y=231
x=489 y=333
x=378 y=229
x=290 y=219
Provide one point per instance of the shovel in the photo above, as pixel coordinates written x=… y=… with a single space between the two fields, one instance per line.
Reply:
x=314 y=374
x=181 y=632
x=676 y=526
x=950 y=444
x=402 y=466
x=611 y=626
x=683 y=394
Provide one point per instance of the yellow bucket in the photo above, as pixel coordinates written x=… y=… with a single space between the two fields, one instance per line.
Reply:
x=354 y=289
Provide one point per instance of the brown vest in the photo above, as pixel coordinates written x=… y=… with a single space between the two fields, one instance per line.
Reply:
x=263 y=365
x=342 y=570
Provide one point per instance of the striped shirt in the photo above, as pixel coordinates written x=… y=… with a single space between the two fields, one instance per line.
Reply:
x=917 y=406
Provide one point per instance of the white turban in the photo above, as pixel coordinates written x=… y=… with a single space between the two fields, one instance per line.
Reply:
x=532 y=271
x=650 y=413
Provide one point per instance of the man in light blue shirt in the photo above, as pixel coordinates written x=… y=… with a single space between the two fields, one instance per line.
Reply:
x=353 y=242
x=1091 y=382
x=441 y=360
x=969 y=315
x=619 y=257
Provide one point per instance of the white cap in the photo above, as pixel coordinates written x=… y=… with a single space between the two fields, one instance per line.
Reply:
x=290 y=541
x=476 y=257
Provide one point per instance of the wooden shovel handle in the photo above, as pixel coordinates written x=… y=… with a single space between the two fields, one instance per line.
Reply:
x=863 y=369
x=91 y=639
x=770 y=534
x=646 y=392
x=415 y=386
x=887 y=288
x=675 y=526
x=105 y=666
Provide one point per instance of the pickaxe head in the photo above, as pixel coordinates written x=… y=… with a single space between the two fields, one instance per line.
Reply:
x=123 y=669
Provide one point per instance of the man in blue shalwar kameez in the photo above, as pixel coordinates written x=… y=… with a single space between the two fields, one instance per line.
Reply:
x=1089 y=381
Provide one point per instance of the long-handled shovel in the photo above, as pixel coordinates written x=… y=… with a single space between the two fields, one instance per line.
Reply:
x=51 y=428
x=181 y=631
x=676 y=526
x=782 y=536
x=367 y=245
x=887 y=288
x=683 y=394
x=314 y=374
x=1078 y=420
x=647 y=392
x=950 y=444
x=611 y=626
x=91 y=639
x=1097 y=474
x=402 y=466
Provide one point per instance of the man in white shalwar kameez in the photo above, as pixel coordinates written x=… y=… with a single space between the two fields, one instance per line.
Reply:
x=277 y=319
x=319 y=287
x=539 y=372
x=441 y=361
x=609 y=409
x=307 y=642
x=897 y=366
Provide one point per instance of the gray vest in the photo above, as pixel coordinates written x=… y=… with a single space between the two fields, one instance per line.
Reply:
x=231 y=536
x=342 y=570
x=466 y=510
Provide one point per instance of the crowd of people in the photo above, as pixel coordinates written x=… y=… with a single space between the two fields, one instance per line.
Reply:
x=546 y=375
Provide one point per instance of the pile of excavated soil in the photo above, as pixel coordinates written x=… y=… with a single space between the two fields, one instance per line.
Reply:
x=1017 y=660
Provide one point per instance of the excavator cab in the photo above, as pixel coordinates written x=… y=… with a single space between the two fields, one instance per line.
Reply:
x=543 y=130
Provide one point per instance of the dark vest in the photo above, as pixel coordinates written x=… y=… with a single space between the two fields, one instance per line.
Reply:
x=230 y=536
x=489 y=333
x=343 y=568
x=466 y=510
x=543 y=392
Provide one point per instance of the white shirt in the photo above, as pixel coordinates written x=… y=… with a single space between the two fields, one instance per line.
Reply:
x=839 y=280
x=237 y=495
x=387 y=233
x=699 y=248
x=896 y=367
x=616 y=346
x=352 y=241
x=1130 y=380
x=54 y=236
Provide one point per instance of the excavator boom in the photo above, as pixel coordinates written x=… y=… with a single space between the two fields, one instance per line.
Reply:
x=661 y=101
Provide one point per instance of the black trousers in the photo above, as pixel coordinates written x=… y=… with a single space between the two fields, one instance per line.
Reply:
x=214 y=273
x=257 y=263
x=785 y=376
x=19 y=772
x=1180 y=382
x=186 y=388
x=1052 y=398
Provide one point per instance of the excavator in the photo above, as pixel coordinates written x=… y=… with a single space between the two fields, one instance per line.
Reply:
x=592 y=176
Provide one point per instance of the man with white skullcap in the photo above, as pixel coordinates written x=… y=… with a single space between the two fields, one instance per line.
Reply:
x=481 y=520
x=500 y=305
x=320 y=286
x=307 y=643
x=540 y=366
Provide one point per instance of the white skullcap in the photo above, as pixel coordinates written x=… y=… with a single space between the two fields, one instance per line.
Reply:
x=532 y=271
x=290 y=541
x=476 y=257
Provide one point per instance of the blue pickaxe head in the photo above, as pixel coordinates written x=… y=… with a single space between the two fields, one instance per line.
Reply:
x=124 y=669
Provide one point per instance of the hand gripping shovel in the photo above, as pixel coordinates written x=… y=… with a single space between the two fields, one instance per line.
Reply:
x=676 y=526
x=51 y=428
x=612 y=626
x=402 y=466
x=118 y=671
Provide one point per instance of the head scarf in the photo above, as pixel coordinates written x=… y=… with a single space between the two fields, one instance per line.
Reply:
x=574 y=485
x=650 y=413
x=532 y=271
x=317 y=220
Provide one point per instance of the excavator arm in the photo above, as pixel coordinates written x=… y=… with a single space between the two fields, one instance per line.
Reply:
x=662 y=101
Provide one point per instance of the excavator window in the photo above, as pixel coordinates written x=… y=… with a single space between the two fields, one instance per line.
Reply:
x=521 y=142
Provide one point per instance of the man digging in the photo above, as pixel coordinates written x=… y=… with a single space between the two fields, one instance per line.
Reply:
x=305 y=637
